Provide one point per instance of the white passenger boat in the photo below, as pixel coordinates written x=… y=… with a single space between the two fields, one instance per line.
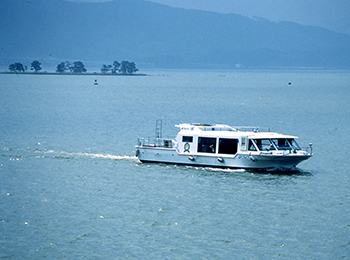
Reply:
x=225 y=147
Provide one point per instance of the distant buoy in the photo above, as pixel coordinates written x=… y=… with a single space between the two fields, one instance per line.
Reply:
x=95 y=83
x=289 y=83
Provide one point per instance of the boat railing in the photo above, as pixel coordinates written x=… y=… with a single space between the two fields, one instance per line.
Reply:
x=308 y=149
x=155 y=142
x=255 y=129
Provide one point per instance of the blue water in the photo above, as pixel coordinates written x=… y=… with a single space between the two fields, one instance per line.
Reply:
x=71 y=187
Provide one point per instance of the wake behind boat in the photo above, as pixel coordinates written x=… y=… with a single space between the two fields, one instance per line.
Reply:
x=225 y=147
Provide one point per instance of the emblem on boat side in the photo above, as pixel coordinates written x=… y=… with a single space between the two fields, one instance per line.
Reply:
x=187 y=147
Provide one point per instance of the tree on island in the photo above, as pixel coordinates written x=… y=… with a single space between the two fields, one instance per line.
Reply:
x=114 y=69
x=116 y=66
x=125 y=67
x=17 y=67
x=78 y=67
x=61 y=68
x=105 y=68
x=128 y=67
x=35 y=65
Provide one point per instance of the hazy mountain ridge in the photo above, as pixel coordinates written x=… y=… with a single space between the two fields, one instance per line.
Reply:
x=154 y=35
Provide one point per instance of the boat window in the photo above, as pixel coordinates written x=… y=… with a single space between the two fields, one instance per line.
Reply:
x=206 y=145
x=281 y=144
x=264 y=144
x=294 y=144
x=228 y=146
x=187 y=139
x=252 y=146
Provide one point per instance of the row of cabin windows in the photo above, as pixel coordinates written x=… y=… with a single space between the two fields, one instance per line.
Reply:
x=208 y=145
x=229 y=146
x=273 y=144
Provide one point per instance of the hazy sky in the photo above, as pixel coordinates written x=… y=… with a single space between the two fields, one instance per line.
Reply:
x=331 y=14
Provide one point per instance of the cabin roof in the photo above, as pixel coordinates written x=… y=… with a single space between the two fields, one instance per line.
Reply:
x=205 y=127
x=227 y=131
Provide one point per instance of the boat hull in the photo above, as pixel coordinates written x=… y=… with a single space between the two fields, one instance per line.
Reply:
x=238 y=161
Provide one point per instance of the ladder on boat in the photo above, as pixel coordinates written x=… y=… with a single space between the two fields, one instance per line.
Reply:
x=159 y=129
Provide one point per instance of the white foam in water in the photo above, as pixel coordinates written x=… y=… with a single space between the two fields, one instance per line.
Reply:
x=226 y=170
x=107 y=156
x=93 y=155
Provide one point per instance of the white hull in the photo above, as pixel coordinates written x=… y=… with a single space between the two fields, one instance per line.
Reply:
x=239 y=161
x=225 y=147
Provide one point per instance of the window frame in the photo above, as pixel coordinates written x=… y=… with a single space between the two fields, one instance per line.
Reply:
x=224 y=148
x=185 y=137
x=206 y=144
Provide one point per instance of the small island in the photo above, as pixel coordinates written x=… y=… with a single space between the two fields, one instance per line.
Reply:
x=125 y=68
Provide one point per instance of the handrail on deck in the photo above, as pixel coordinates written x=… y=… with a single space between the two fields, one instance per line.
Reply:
x=255 y=129
x=155 y=142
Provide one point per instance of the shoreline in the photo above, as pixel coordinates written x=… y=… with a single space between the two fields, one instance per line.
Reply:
x=72 y=74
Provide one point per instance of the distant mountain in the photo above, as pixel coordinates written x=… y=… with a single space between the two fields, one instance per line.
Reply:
x=158 y=36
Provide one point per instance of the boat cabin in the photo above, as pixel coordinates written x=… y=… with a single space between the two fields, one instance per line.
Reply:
x=227 y=140
x=224 y=146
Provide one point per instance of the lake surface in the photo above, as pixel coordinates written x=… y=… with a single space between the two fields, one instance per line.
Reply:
x=71 y=187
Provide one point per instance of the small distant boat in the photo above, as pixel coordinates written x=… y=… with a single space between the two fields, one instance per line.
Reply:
x=216 y=145
x=95 y=83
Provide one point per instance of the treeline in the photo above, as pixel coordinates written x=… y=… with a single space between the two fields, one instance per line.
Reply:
x=125 y=67
x=76 y=67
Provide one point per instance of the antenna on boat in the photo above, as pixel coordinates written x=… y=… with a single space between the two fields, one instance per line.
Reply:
x=159 y=130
